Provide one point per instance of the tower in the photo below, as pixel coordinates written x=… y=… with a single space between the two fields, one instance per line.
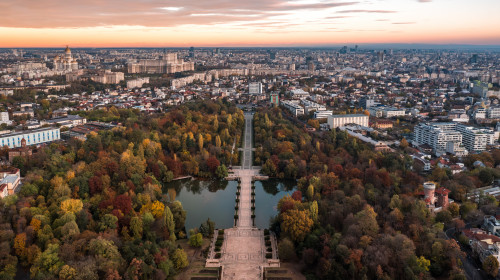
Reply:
x=429 y=190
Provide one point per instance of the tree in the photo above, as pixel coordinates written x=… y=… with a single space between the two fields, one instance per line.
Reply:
x=310 y=192
x=179 y=258
x=490 y=265
x=200 y=142
x=221 y=171
x=297 y=224
x=367 y=221
x=179 y=215
x=136 y=227
x=169 y=223
x=48 y=264
x=72 y=205
x=196 y=240
x=313 y=208
x=403 y=144
x=286 y=250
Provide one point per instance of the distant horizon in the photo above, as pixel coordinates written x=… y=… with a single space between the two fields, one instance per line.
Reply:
x=399 y=46
x=262 y=23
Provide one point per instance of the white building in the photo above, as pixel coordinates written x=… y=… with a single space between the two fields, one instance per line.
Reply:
x=137 y=83
x=322 y=114
x=255 y=88
x=456 y=148
x=293 y=106
x=335 y=121
x=4 y=118
x=299 y=94
x=493 y=113
x=475 y=139
x=437 y=135
x=32 y=137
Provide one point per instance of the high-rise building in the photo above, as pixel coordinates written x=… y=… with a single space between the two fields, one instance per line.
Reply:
x=4 y=118
x=437 y=135
x=255 y=88
x=366 y=102
x=380 y=56
x=275 y=98
x=191 y=52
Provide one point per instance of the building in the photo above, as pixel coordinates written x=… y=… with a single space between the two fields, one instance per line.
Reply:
x=4 y=118
x=32 y=137
x=493 y=112
x=10 y=179
x=436 y=135
x=386 y=112
x=491 y=225
x=436 y=199
x=255 y=88
x=65 y=62
x=366 y=102
x=323 y=114
x=293 y=106
x=299 y=94
x=335 y=121
x=383 y=124
x=456 y=148
x=275 y=98
x=68 y=121
x=475 y=139
x=23 y=151
x=482 y=243
x=167 y=65
x=137 y=83
x=108 y=77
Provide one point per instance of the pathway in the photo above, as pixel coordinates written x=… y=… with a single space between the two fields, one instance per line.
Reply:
x=243 y=251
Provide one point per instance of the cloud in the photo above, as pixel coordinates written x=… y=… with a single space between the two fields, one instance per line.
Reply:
x=367 y=11
x=424 y=1
x=409 y=22
x=150 y=13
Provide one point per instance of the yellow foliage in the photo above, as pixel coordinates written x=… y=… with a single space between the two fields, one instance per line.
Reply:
x=36 y=224
x=297 y=224
x=157 y=209
x=72 y=205
x=20 y=244
x=70 y=175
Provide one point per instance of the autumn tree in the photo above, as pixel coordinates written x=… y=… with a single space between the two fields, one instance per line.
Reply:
x=297 y=223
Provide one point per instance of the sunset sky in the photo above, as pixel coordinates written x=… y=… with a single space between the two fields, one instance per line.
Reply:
x=168 y=23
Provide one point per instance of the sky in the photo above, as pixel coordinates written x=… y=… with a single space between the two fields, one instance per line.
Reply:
x=246 y=23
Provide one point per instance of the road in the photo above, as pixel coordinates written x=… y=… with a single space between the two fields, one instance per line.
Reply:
x=471 y=267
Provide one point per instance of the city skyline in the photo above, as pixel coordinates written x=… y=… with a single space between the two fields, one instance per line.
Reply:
x=237 y=23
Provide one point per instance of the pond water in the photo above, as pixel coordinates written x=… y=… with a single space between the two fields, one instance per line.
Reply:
x=215 y=200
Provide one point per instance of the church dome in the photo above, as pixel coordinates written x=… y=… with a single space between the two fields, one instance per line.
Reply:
x=67 y=50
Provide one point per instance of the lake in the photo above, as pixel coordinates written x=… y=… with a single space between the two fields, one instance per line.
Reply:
x=216 y=200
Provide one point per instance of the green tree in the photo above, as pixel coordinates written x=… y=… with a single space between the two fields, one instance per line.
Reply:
x=169 y=223
x=48 y=264
x=136 y=227
x=179 y=258
x=286 y=250
x=221 y=171
x=196 y=240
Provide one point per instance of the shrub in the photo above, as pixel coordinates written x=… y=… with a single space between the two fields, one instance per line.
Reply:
x=238 y=193
x=237 y=200
x=253 y=200
x=269 y=249
x=217 y=256
x=236 y=207
x=236 y=217
x=269 y=256
x=266 y=231
x=253 y=216
x=220 y=238
x=267 y=238
x=253 y=208
x=268 y=242
x=218 y=243
x=217 y=249
x=221 y=231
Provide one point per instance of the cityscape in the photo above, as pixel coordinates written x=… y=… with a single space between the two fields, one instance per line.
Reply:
x=272 y=140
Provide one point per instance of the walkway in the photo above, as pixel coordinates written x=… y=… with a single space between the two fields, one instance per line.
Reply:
x=243 y=251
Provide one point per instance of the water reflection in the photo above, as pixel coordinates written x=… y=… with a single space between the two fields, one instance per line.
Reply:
x=203 y=199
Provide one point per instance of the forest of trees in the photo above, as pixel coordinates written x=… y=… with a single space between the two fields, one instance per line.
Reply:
x=98 y=209
x=356 y=213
